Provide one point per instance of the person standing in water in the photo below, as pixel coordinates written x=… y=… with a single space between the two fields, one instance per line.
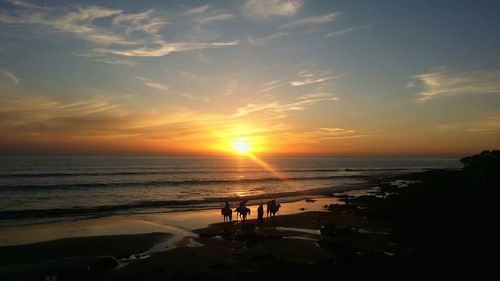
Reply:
x=260 y=213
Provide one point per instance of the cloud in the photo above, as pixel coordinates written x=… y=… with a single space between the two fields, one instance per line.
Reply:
x=197 y=10
x=264 y=39
x=231 y=87
x=271 y=85
x=113 y=31
x=11 y=76
x=346 y=31
x=311 y=21
x=278 y=109
x=441 y=83
x=94 y=117
x=164 y=48
x=103 y=59
x=143 y=21
x=152 y=84
x=220 y=17
x=485 y=125
x=115 y=61
x=78 y=22
x=24 y=4
x=270 y=8
x=308 y=81
x=323 y=134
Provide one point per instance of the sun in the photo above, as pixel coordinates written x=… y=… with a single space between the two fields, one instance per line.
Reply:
x=241 y=146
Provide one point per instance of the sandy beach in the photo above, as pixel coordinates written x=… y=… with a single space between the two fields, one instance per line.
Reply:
x=168 y=244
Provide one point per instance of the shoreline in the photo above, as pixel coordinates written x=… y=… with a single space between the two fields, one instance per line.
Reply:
x=138 y=223
x=38 y=215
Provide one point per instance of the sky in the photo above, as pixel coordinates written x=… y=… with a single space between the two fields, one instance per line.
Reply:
x=283 y=77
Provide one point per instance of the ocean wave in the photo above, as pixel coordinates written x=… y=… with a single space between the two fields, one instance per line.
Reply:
x=144 y=206
x=171 y=183
x=146 y=173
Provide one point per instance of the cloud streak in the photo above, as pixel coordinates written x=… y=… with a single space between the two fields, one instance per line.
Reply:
x=346 y=31
x=164 y=48
x=311 y=21
x=152 y=84
x=197 y=10
x=11 y=76
x=265 y=39
x=442 y=83
x=279 y=109
x=271 y=8
x=215 y=18
x=308 y=81
x=485 y=125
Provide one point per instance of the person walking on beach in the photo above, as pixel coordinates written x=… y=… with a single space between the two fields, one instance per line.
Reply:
x=260 y=213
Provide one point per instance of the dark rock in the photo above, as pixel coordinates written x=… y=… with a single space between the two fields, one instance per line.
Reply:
x=248 y=227
x=344 y=231
x=328 y=230
x=341 y=249
x=207 y=235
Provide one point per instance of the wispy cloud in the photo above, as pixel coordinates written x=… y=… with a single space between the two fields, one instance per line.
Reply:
x=197 y=10
x=311 y=21
x=78 y=22
x=143 y=21
x=324 y=134
x=231 y=87
x=104 y=59
x=308 y=81
x=270 y=8
x=127 y=34
x=271 y=85
x=163 y=49
x=25 y=4
x=11 y=76
x=346 y=31
x=485 y=125
x=152 y=84
x=441 y=82
x=279 y=109
x=215 y=18
x=264 y=39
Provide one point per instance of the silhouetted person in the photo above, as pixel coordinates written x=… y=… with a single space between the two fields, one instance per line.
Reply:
x=227 y=212
x=260 y=213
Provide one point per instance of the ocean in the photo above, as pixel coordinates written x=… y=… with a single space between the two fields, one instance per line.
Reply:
x=34 y=189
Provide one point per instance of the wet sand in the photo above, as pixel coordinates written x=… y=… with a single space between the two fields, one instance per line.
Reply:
x=159 y=246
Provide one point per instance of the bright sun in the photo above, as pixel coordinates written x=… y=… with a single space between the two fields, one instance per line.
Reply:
x=241 y=146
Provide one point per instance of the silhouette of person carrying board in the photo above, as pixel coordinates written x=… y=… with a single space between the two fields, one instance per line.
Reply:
x=260 y=213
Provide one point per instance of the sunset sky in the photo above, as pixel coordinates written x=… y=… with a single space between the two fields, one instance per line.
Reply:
x=287 y=77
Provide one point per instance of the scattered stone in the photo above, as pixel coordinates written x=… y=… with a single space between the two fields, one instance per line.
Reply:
x=328 y=230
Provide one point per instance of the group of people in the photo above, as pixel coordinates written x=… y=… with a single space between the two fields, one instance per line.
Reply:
x=242 y=211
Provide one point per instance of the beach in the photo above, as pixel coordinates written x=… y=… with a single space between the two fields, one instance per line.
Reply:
x=190 y=243
x=400 y=223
